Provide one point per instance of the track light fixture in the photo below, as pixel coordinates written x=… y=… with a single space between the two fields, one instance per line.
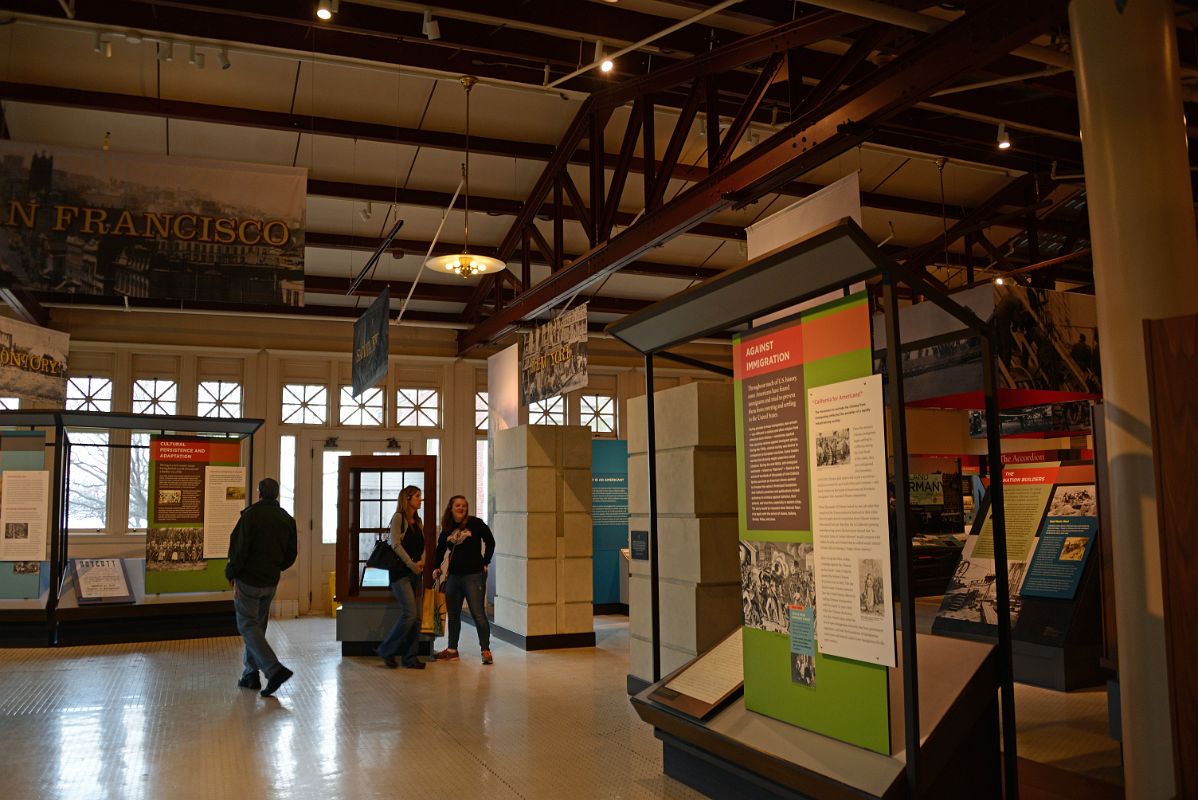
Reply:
x=431 y=28
x=324 y=10
x=367 y=212
x=223 y=58
x=98 y=45
x=166 y=51
x=1004 y=141
x=999 y=281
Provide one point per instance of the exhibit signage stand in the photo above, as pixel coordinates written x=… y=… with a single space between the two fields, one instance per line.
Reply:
x=24 y=569
x=834 y=258
x=190 y=599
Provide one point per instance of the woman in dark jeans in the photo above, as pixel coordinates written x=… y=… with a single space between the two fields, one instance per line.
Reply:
x=471 y=545
x=407 y=540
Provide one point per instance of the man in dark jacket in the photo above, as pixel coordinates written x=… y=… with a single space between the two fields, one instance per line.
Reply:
x=263 y=545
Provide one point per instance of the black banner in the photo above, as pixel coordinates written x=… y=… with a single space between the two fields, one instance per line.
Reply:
x=372 y=344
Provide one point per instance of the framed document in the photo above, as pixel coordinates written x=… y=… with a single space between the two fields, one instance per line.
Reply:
x=102 y=581
x=709 y=682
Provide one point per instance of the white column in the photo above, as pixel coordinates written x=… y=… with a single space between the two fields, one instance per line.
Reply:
x=1145 y=267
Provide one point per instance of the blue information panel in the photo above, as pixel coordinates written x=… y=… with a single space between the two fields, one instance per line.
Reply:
x=609 y=515
x=1061 y=552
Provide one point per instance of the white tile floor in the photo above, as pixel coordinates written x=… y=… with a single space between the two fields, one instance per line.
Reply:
x=166 y=720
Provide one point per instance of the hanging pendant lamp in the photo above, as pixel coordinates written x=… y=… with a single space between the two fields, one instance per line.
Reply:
x=466 y=263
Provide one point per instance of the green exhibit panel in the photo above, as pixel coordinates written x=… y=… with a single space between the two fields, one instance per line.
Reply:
x=787 y=674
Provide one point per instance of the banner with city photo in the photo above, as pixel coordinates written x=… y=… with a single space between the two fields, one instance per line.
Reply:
x=142 y=226
x=33 y=363
x=553 y=357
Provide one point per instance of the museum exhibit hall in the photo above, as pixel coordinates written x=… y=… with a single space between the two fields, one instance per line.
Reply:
x=726 y=399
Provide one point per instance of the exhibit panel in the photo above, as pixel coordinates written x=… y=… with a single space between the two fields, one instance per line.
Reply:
x=791 y=403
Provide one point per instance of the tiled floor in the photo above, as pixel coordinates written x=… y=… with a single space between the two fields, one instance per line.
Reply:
x=166 y=720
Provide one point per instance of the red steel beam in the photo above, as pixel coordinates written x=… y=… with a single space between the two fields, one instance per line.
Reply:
x=983 y=34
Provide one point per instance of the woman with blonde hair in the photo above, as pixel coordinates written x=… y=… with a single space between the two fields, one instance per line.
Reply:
x=470 y=545
x=407 y=540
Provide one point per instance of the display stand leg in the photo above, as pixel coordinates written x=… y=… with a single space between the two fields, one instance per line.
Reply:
x=654 y=594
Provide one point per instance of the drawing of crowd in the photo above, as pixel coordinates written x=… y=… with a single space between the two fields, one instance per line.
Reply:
x=774 y=576
x=973 y=593
x=832 y=448
x=174 y=549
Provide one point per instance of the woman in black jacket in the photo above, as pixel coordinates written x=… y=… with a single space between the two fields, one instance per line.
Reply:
x=470 y=544
x=407 y=540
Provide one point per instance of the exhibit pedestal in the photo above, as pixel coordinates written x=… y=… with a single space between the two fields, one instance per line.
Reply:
x=362 y=626
x=739 y=754
x=150 y=618
x=699 y=573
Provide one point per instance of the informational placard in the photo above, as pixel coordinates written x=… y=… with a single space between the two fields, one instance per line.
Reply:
x=102 y=580
x=639 y=544
x=707 y=682
x=927 y=489
x=787 y=460
x=224 y=500
x=847 y=451
x=609 y=516
x=21 y=450
x=176 y=557
x=1065 y=543
x=24 y=509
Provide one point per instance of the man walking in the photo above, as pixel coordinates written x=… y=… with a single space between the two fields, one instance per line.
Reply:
x=262 y=546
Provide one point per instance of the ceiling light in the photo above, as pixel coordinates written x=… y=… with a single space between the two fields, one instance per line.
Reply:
x=999 y=281
x=1004 y=141
x=223 y=58
x=466 y=263
x=431 y=28
x=324 y=10
x=98 y=46
x=605 y=64
x=108 y=49
x=166 y=51
x=366 y=212
x=191 y=54
x=133 y=37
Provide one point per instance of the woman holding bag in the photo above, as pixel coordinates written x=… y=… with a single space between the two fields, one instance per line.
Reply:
x=407 y=540
x=469 y=544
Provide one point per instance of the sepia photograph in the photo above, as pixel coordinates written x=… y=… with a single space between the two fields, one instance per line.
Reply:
x=832 y=448
x=16 y=530
x=1074 y=548
x=26 y=567
x=234 y=492
x=774 y=576
x=170 y=497
x=1074 y=501
x=175 y=549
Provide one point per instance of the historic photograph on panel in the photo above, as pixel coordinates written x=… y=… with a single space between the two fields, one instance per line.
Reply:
x=802 y=669
x=1074 y=548
x=175 y=549
x=773 y=576
x=832 y=448
x=1074 y=501
x=16 y=530
x=973 y=594
x=871 y=587
x=26 y=567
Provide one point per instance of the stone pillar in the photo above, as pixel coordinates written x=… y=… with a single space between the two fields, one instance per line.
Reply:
x=543 y=539
x=699 y=572
x=1145 y=267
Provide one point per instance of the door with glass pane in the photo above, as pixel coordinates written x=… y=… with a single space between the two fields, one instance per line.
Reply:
x=318 y=454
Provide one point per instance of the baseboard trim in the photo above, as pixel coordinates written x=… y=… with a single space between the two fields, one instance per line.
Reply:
x=610 y=608
x=552 y=641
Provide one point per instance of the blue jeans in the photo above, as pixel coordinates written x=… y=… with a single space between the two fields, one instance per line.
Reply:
x=401 y=641
x=252 y=606
x=472 y=588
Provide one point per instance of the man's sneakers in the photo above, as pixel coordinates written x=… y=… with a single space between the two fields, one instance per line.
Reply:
x=417 y=664
x=389 y=662
x=487 y=657
x=273 y=682
x=447 y=655
x=250 y=681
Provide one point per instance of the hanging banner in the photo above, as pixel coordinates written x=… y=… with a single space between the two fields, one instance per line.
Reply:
x=33 y=363
x=177 y=559
x=372 y=343
x=553 y=357
x=82 y=222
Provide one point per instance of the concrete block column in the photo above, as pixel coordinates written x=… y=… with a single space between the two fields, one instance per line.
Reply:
x=542 y=527
x=699 y=572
